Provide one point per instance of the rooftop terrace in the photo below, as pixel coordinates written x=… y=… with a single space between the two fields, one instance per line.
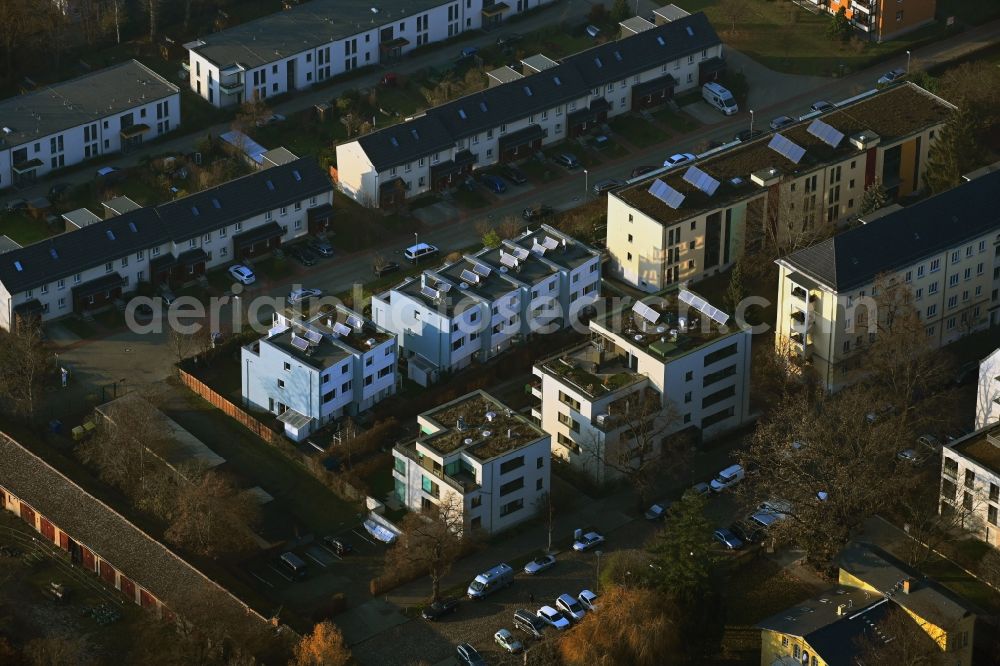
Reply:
x=321 y=335
x=558 y=248
x=530 y=270
x=889 y=114
x=591 y=371
x=481 y=425
x=982 y=447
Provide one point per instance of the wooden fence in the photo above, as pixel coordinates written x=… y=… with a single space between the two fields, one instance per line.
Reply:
x=251 y=423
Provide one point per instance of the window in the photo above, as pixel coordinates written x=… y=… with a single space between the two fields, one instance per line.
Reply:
x=992 y=515
x=287 y=365
x=512 y=486
x=689 y=376
x=970 y=479
x=994 y=492
x=511 y=507
x=931 y=311
x=538 y=484
x=512 y=464
x=899 y=16
x=540 y=462
x=281 y=383
x=935 y=265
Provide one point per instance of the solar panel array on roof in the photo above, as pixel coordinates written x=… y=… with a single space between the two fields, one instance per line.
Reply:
x=828 y=134
x=313 y=336
x=299 y=343
x=701 y=180
x=482 y=269
x=550 y=243
x=430 y=292
x=355 y=321
x=646 y=312
x=787 y=149
x=443 y=287
x=341 y=330
x=703 y=306
x=520 y=253
x=666 y=194
x=508 y=260
x=469 y=276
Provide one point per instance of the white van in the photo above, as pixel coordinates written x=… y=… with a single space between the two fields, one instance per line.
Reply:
x=720 y=98
x=727 y=478
x=489 y=582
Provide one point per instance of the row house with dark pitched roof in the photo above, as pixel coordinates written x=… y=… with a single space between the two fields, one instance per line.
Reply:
x=172 y=243
x=554 y=101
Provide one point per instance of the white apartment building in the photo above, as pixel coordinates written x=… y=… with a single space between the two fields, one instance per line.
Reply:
x=511 y=121
x=314 y=41
x=945 y=249
x=657 y=368
x=318 y=363
x=970 y=482
x=172 y=243
x=480 y=305
x=684 y=223
x=988 y=391
x=477 y=456
x=108 y=111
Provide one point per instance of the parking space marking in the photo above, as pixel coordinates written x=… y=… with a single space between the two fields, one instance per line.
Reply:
x=262 y=579
x=280 y=573
x=331 y=551
x=365 y=537
x=315 y=559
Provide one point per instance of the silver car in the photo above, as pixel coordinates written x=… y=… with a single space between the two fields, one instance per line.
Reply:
x=570 y=607
x=539 y=564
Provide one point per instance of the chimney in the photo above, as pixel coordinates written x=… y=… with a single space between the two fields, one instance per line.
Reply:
x=908 y=585
x=841 y=608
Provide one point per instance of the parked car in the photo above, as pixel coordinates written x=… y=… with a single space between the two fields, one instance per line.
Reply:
x=507 y=40
x=385 y=268
x=588 y=600
x=605 y=185
x=726 y=537
x=468 y=52
x=242 y=274
x=702 y=488
x=748 y=533
x=299 y=295
x=890 y=77
x=592 y=31
x=880 y=413
x=16 y=204
x=748 y=135
x=679 y=158
x=601 y=141
x=929 y=442
x=911 y=456
x=822 y=106
x=321 y=247
x=553 y=618
x=540 y=564
x=570 y=607
x=493 y=183
x=110 y=174
x=467 y=656
x=507 y=642
x=567 y=160
x=528 y=622
x=293 y=564
x=780 y=121
x=658 y=511
x=727 y=478
x=419 y=252
x=439 y=609
x=339 y=546
x=514 y=175
x=588 y=541
x=535 y=213
x=301 y=255
x=642 y=170
x=272 y=119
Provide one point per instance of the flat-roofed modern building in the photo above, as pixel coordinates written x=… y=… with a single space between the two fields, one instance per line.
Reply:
x=314 y=41
x=664 y=362
x=316 y=365
x=108 y=111
x=480 y=305
x=970 y=482
x=988 y=391
x=683 y=223
x=511 y=121
x=881 y=20
x=945 y=250
x=476 y=456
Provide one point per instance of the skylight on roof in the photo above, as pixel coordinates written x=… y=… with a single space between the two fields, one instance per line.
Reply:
x=131 y=226
x=195 y=211
x=295 y=174
x=618 y=55
x=661 y=41
x=18 y=267
x=216 y=204
x=597 y=61
x=482 y=107
x=690 y=32
x=557 y=80
x=415 y=133
x=270 y=185
x=53 y=253
x=527 y=91
x=461 y=114
x=110 y=234
x=394 y=141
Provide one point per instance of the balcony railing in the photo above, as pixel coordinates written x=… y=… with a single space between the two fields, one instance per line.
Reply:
x=462 y=483
x=232 y=88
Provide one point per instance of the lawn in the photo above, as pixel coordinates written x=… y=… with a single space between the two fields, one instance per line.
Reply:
x=473 y=199
x=787 y=38
x=23 y=229
x=973 y=12
x=274 y=268
x=678 y=122
x=638 y=131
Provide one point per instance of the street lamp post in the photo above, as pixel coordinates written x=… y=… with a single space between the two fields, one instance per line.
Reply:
x=907 y=62
x=416 y=238
x=598 y=583
x=586 y=183
x=751 y=123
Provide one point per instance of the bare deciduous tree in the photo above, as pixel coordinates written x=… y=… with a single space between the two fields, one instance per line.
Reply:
x=431 y=541
x=901 y=639
x=213 y=517
x=24 y=365
x=57 y=651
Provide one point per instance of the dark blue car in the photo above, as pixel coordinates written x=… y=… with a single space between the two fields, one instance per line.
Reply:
x=494 y=184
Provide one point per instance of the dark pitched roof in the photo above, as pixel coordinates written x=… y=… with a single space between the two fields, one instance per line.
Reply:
x=855 y=257
x=242 y=198
x=72 y=252
x=103 y=530
x=839 y=643
x=927 y=598
x=574 y=77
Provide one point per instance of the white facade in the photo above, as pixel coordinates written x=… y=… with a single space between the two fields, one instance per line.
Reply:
x=988 y=391
x=340 y=371
x=130 y=245
x=477 y=307
x=970 y=482
x=294 y=53
x=107 y=112
x=701 y=380
x=491 y=464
